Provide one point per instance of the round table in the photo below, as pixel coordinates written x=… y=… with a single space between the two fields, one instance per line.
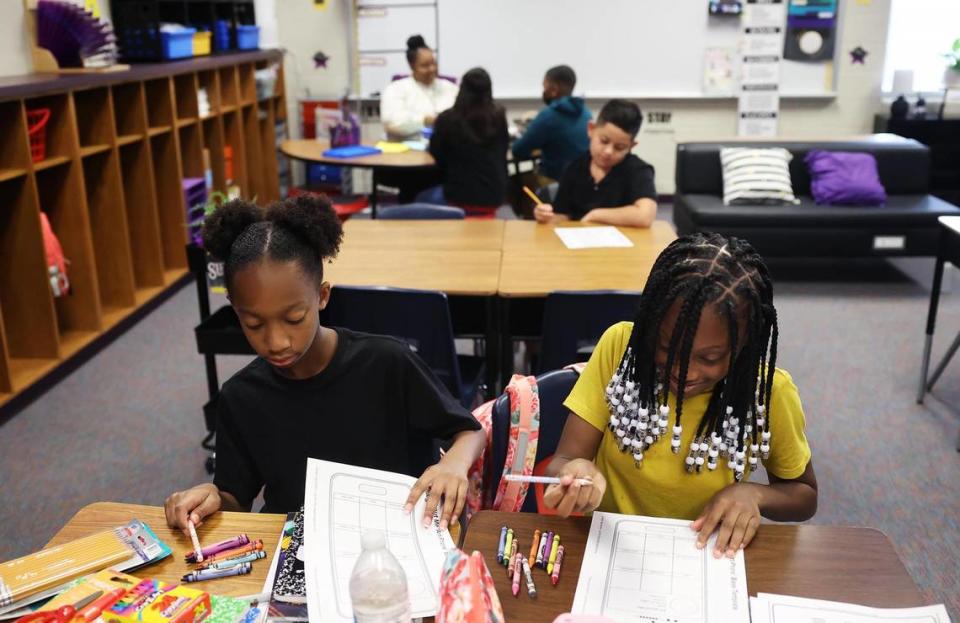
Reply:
x=311 y=150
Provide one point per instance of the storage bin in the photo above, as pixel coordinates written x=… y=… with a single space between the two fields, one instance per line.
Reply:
x=248 y=37
x=178 y=44
x=201 y=43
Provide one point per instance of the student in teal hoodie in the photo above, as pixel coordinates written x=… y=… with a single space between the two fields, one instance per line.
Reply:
x=559 y=131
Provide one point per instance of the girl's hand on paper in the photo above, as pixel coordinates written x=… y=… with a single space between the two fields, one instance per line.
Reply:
x=195 y=503
x=443 y=484
x=572 y=497
x=543 y=213
x=735 y=512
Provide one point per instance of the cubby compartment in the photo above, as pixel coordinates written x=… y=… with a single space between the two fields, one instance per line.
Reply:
x=185 y=95
x=247 y=83
x=14 y=148
x=143 y=225
x=170 y=207
x=108 y=224
x=191 y=151
x=207 y=82
x=62 y=200
x=6 y=381
x=251 y=139
x=159 y=104
x=96 y=131
x=229 y=93
x=129 y=111
x=234 y=139
x=59 y=134
x=213 y=144
x=268 y=140
x=29 y=317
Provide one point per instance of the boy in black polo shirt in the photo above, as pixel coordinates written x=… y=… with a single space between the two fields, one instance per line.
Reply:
x=609 y=185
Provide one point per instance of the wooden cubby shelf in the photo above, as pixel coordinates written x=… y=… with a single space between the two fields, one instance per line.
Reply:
x=117 y=147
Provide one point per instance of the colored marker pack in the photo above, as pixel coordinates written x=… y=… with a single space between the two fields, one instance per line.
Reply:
x=152 y=601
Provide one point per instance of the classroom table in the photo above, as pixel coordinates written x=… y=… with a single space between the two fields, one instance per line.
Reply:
x=451 y=235
x=311 y=150
x=857 y=565
x=948 y=251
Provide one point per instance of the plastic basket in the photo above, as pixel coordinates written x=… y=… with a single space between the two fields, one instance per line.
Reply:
x=178 y=44
x=201 y=43
x=37 y=131
x=248 y=37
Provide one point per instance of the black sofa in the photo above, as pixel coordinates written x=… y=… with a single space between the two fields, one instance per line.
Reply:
x=905 y=226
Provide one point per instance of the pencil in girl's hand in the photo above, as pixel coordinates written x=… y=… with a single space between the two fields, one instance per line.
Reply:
x=532 y=195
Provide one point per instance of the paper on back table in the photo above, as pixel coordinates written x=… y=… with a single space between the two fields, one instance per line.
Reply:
x=340 y=502
x=648 y=570
x=592 y=237
x=769 y=608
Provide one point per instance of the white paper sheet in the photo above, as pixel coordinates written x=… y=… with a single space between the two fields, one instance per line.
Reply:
x=592 y=237
x=768 y=608
x=649 y=570
x=340 y=503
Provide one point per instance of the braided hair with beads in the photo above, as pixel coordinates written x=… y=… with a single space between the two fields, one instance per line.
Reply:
x=698 y=271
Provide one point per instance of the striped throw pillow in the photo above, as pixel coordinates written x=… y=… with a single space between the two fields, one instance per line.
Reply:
x=756 y=175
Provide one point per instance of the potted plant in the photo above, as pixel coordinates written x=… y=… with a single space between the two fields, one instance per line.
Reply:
x=951 y=74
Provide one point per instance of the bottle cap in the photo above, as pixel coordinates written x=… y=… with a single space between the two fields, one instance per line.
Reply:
x=373 y=539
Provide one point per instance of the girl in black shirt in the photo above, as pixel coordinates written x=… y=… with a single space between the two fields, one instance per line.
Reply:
x=470 y=144
x=316 y=391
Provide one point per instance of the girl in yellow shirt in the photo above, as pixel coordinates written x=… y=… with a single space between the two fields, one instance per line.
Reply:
x=675 y=410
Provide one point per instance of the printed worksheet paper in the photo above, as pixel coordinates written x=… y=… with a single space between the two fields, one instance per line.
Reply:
x=768 y=608
x=592 y=237
x=649 y=570
x=340 y=503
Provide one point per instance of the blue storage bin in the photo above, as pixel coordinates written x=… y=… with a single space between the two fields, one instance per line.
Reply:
x=177 y=44
x=248 y=37
x=221 y=35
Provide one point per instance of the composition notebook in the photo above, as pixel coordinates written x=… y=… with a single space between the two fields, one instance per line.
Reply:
x=288 y=600
x=38 y=575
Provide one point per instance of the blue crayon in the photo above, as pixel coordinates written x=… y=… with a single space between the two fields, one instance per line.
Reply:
x=503 y=541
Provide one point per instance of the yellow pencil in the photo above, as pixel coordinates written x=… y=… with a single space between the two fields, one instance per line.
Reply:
x=533 y=196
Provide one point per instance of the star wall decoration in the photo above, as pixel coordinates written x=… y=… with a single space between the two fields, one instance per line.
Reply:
x=320 y=60
x=858 y=55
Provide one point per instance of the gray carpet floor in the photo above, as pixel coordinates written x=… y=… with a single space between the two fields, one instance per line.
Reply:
x=126 y=425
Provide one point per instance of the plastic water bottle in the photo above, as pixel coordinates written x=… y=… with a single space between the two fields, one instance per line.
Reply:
x=378 y=585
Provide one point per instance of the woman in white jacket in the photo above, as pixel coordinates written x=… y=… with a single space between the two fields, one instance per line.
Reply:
x=409 y=105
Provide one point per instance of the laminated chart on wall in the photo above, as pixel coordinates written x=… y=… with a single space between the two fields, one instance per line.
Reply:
x=648 y=570
x=341 y=502
x=761 y=44
x=382 y=30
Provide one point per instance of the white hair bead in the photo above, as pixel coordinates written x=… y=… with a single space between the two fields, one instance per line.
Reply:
x=761 y=409
x=723 y=446
x=643 y=425
x=703 y=446
x=764 y=448
x=638 y=456
x=766 y=435
x=648 y=439
x=699 y=460
x=694 y=446
x=729 y=410
x=753 y=461
x=739 y=467
x=711 y=466
x=740 y=455
x=664 y=410
x=689 y=460
x=754 y=447
x=677 y=430
x=714 y=454
x=761 y=421
x=621 y=432
x=624 y=419
x=644 y=412
x=675 y=443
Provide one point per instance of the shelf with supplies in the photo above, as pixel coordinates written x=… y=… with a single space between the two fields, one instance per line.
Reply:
x=101 y=160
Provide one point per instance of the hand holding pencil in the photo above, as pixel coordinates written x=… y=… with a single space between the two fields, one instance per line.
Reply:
x=580 y=489
x=543 y=212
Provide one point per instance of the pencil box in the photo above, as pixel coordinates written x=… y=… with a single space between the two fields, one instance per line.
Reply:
x=351 y=151
x=152 y=601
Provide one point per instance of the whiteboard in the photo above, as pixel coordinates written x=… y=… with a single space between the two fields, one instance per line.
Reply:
x=619 y=48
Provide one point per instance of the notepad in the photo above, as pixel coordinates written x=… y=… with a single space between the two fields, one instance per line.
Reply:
x=592 y=237
x=389 y=147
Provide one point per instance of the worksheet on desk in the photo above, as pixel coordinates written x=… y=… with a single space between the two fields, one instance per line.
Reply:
x=768 y=608
x=592 y=237
x=341 y=502
x=649 y=570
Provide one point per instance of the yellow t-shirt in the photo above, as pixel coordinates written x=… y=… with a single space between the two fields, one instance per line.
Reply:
x=662 y=487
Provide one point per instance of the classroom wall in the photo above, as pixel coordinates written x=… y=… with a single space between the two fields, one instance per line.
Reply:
x=14 y=42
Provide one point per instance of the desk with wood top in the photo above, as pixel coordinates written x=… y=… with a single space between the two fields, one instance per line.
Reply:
x=452 y=235
x=311 y=150
x=857 y=565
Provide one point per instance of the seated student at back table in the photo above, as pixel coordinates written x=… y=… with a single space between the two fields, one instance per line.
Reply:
x=609 y=184
x=559 y=131
x=469 y=143
x=315 y=391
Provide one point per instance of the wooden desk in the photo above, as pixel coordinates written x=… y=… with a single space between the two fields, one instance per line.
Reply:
x=311 y=150
x=857 y=565
x=468 y=273
x=105 y=515
x=453 y=235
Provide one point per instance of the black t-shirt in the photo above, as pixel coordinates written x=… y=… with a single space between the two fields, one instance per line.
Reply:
x=474 y=173
x=375 y=405
x=630 y=180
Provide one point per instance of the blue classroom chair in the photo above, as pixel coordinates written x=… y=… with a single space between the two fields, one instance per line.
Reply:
x=574 y=321
x=421 y=318
x=421 y=211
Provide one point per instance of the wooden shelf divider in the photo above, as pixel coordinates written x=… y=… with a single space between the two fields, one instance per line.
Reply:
x=117 y=147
